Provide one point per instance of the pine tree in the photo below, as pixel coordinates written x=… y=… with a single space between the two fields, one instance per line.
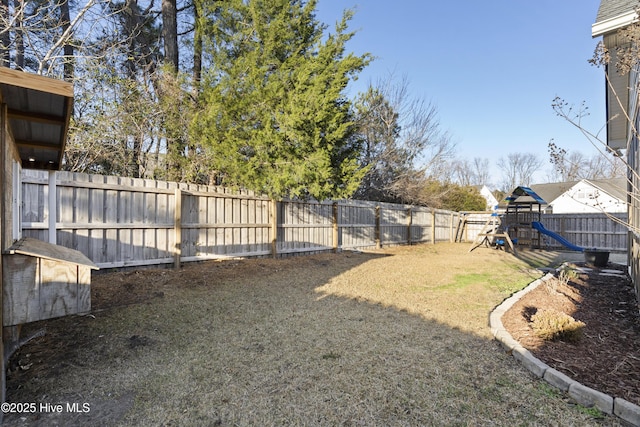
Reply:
x=275 y=118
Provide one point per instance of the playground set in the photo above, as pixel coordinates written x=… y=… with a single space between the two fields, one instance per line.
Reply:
x=519 y=225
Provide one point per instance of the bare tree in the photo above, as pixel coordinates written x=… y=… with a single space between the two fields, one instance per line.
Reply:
x=475 y=172
x=612 y=162
x=567 y=166
x=571 y=166
x=5 y=35
x=402 y=142
x=518 y=169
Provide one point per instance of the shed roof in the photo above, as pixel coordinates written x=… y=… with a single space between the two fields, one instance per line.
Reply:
x=39 y=109
x=38 y=248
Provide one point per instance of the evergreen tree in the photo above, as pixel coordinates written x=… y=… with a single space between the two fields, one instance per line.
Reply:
x=274 y=115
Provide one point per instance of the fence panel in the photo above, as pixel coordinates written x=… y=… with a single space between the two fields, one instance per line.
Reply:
x=306 y=226
x=356 y=224
x=394 y=224
x=422 y=224
x=444 y=225
x=119 y=221
x=591 y=230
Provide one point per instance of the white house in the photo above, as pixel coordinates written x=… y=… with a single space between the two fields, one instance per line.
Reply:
x=584 y=196
x=492 y=202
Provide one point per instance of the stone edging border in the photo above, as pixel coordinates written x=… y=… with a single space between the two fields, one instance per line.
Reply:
x=583 y=395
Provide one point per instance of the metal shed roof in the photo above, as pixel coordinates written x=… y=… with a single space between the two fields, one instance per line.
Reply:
x=39 y=109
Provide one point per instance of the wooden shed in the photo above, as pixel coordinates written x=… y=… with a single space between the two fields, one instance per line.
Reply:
x=42 y=281
x=39 y=279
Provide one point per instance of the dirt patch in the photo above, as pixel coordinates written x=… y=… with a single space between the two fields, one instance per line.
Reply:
x=607 y=357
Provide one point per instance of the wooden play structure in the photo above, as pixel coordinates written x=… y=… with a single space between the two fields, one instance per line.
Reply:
x=39 y=279
x=494 y=234
x=514 y=227
x=523 y=208
x=468 y=224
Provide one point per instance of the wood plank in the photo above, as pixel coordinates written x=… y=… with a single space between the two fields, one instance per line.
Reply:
x=228 y=218
x=20 y=291
x=138 y=214
x=38 y=248
x=36 y=82
x=82 y=214
x=111 y=202
x=237 y=219
x=83 y=290
x=96 y=216
x=177 y=234
x=58 y=289
x=220 y=218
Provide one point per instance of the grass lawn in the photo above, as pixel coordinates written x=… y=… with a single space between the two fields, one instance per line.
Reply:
x=397 y=336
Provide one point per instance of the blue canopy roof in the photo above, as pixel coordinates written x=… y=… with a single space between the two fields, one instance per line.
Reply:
x=525 y=195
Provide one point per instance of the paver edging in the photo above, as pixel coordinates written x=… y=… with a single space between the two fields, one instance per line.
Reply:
x=580 y=393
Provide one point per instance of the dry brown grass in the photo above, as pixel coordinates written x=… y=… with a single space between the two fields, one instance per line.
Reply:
x=391 y=337
x=555 y=325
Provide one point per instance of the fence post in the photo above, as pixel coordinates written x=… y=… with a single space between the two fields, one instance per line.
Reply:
x=409 y=224
x=336 y=235
x=452 y=238
x=53 y=210
x=274 y=228
x=177 y=227
x=377 y=232
x=433 y=226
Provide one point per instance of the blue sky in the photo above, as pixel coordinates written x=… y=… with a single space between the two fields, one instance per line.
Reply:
x=492 y=68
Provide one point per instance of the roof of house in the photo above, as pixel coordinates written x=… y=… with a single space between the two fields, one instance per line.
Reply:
x=615 y=187
x=614 y=14
x=611 y=8
x=551 y=191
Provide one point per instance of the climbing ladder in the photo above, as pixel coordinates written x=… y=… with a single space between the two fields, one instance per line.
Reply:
x=462 y=224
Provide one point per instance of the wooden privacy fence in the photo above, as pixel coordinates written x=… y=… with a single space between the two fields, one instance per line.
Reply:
x=119 y=222
x=589 y=230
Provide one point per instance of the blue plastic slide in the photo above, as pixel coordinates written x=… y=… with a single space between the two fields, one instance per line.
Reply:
x=538 y=226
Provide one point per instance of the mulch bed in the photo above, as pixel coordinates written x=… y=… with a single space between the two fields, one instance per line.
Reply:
x=607 y=357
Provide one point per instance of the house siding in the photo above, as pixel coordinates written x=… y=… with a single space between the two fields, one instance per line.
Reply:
x=617 y=98
x=622 y=130
x=586 y=198
x=633 y=158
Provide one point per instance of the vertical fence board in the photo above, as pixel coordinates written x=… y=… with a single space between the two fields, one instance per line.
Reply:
x=96 y=218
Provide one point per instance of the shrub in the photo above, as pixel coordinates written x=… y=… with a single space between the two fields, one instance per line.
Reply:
x=554 y=325
x=565 y=275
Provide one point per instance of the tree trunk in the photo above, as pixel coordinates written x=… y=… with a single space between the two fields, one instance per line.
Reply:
x=170 y=33
x=5 y=39
x=197 y=45
x=65 y=19
x=18 y=35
